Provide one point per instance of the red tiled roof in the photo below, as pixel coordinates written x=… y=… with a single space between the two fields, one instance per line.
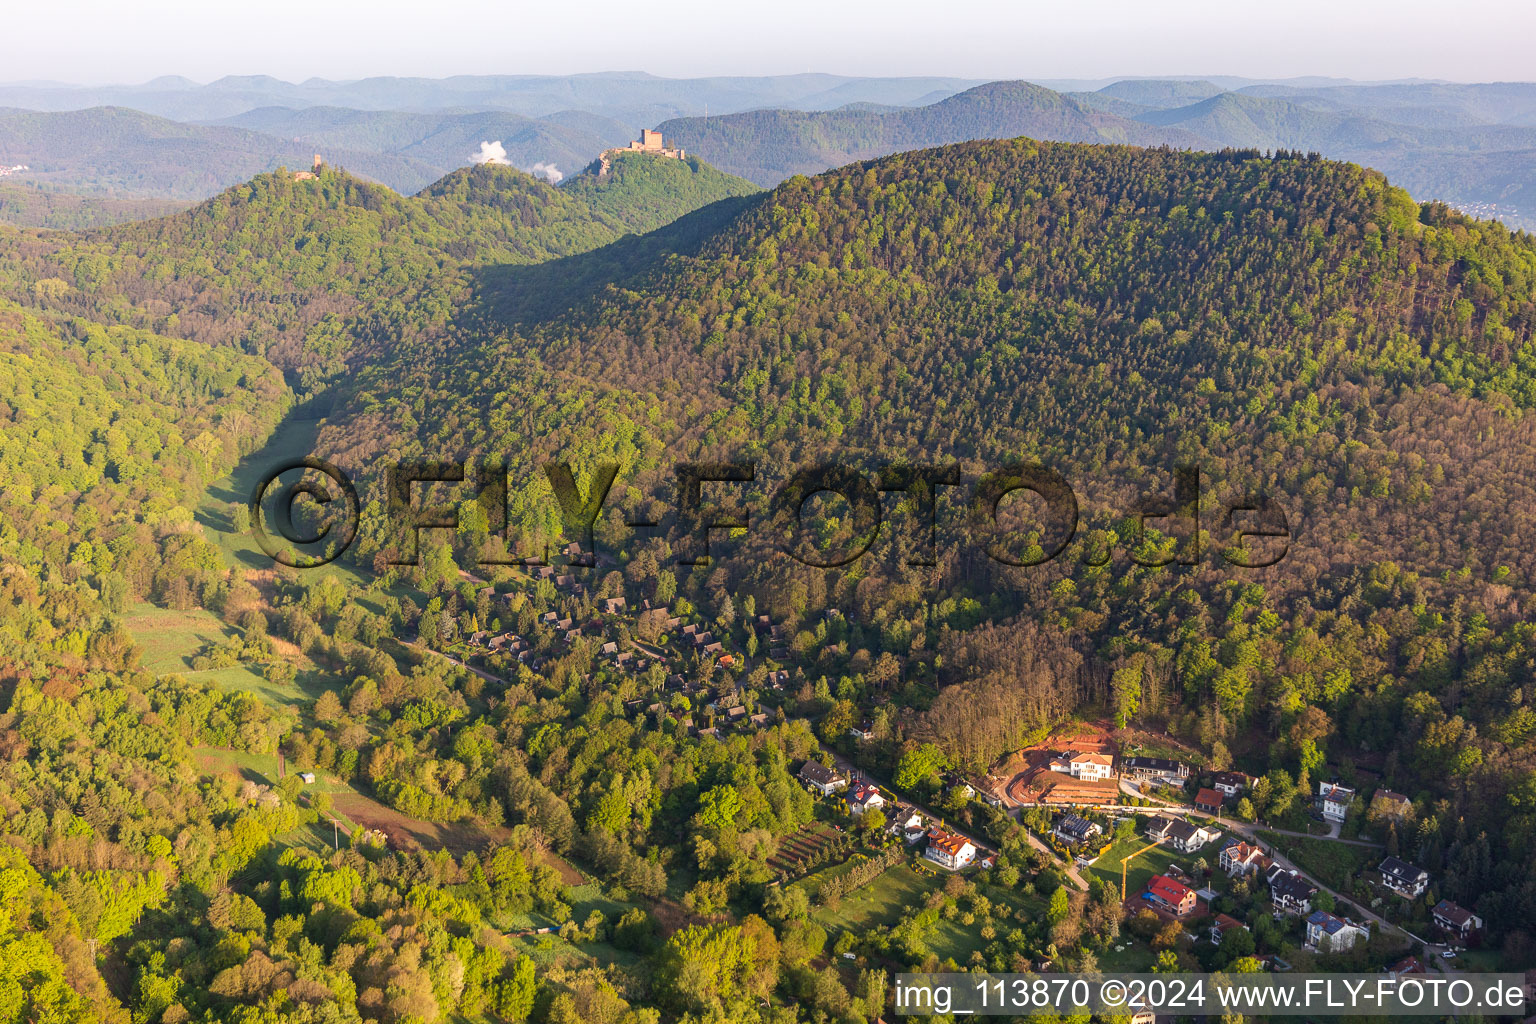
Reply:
x=1208 y=797
x=1166 y=889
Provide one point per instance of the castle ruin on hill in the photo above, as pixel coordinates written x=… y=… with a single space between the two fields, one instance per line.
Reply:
x=650 y=141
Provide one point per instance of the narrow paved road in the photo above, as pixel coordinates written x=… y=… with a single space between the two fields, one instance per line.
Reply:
x=1129 y=790
x=1247 y=831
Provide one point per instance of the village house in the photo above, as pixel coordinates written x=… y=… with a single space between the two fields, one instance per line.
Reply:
x=865 y=730
x=1329 y=934
x=1187 y=837
x=1074 y=829
x=985 y=793
x=1407 y=965
x=1387 y=804
x=1175 y=897
x=1407 y=880
x=1240 y=859
x=956 y=781
x=1223 y=924
x=1083 y=765
x=863 y=798
x=1334 y=800
x=1159 y=770
x=1289 y=891
x=912 y=828
x=1209 y=801
x=1230 y=783
x=1456 y=920
x=949 y=850
x=1158 y=826
x=822 y=779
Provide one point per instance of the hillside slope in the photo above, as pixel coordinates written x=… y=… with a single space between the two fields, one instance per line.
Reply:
x=304 y=271
x=1293 y=327
x=767 y=146
x=121 y=152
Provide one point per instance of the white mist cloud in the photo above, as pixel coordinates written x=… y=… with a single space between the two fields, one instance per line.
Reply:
x=491 y=153
x=549 y=172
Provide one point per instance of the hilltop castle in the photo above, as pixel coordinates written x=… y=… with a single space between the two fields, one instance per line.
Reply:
x=650 y=141
x=309 y=175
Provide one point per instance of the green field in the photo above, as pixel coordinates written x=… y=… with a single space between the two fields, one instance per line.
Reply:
x=1153 y=862
x=880 y=903
x=170 y=639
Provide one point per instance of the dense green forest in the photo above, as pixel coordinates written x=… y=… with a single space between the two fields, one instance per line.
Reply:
x=68 y=211
x=549 y=831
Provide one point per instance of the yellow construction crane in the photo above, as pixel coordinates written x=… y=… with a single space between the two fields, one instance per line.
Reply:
x=1125 y=861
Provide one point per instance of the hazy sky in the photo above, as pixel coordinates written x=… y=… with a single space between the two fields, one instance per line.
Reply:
x=98 y=41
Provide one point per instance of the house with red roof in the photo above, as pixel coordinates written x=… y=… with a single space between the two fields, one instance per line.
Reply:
x=1170 y=895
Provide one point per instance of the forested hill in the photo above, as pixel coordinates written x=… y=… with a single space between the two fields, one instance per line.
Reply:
x=767 y=146
x=307 y=271
x=1293 y=326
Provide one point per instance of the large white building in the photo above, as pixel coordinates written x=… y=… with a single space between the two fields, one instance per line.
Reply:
x=1334 y=800
x=949 y=850
x=1329 y=934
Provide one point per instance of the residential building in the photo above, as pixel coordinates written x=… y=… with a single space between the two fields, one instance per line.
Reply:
x=1160 y=770
x=1187 y=837
x=865 y=730
x=1334 y=800
x=949 y=850
x=1223 y=924
x=1073 y=829
x=1209 y=800
x=1329 y=934
x=1387 y=804
x=863 y=798
x=1407 y=880
x=1456 y=920
x=1158 y=826
x=1091 y=765
x=1290 y=892
x=912 y=828
x=1231 y=783
x=1240 y=859
x=1407 y=965
x=1170 y=895
x=822 y=779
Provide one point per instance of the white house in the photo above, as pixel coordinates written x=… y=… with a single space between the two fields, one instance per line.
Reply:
x=1407 y=880
x=1456 y=919
x=1231 y=783
x=1187 y=837
x=949 y=850
x=912 y=828
x=1241 y=859
x=1335 y=800
x=822 y=779
x=863 y=798
x=1091 y=765
x=1329 y=934
x=1289 y=891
